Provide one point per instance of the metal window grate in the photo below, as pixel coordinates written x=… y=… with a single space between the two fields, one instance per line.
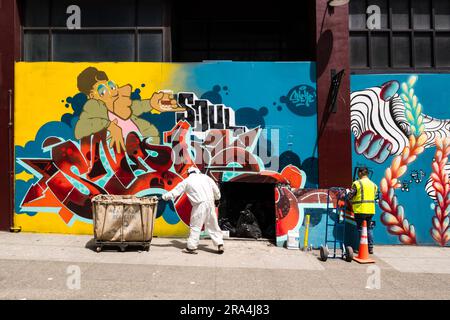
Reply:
x=414 y=36
x=120 y=30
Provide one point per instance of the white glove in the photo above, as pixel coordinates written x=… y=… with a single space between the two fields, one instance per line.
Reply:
x=347 y=191
x=165 y=196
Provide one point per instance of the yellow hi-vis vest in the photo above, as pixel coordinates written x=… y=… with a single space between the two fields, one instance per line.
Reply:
x=364 y=200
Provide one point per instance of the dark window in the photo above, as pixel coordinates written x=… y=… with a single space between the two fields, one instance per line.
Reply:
x=423 y=50
x=401 y=53
x=150 y=46
x=93 y=46
x=358 y=50
x=243 y=30
x=358 y=16
x=421 y=11
x=36 y=46
x=114 y=30
x=443 y=49
x=380 y=44
x=442 y=14
x=400 y=15
x=413 y=35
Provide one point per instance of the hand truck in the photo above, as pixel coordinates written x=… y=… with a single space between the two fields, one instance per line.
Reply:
x=338 y=222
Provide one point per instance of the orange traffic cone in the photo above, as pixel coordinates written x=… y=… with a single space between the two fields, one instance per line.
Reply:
x=363 y=253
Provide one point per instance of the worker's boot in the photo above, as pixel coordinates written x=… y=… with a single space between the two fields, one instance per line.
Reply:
x=191 y=251
x=220 y=249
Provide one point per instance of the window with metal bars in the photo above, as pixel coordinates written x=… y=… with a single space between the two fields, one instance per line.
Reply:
x=414 y=36
x=114 y=30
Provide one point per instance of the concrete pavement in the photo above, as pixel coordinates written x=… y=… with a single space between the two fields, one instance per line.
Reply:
x=41 y=266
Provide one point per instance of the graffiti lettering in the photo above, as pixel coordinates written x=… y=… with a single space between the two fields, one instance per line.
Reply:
x=76 y=173
x=302 y=96
x=202 y=115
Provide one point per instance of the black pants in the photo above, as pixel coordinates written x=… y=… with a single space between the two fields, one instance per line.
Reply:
x=359 y=218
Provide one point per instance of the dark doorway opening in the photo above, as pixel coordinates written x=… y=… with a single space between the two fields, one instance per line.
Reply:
x=238 y=198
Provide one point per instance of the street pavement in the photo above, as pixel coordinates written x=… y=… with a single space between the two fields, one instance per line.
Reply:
x=52 y=266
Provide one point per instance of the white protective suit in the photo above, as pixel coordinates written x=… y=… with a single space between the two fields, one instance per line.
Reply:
x=202 y=191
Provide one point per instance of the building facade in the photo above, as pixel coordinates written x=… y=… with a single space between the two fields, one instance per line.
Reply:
x=295 y=96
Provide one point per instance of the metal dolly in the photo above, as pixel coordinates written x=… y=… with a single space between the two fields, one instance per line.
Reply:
x=338 y=243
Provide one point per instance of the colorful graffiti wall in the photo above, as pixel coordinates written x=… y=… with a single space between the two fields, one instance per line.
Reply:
x=83 y=129
x=325 y=206
x=400 y=130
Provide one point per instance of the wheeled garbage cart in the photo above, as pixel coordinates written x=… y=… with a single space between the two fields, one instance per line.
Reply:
x=122 y=220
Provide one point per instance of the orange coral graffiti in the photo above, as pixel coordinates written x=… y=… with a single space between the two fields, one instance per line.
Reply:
x=393 y=214
x=440 y=230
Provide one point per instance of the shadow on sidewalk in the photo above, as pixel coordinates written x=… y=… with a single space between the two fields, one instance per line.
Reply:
x=182 y=244
x=173 y=244
x=91 y=245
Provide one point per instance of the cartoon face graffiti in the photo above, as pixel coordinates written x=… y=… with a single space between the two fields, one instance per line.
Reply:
x=111 y=107
x=117 y=100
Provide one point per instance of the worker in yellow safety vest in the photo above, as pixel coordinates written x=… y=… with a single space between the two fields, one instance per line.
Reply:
x=363 y=196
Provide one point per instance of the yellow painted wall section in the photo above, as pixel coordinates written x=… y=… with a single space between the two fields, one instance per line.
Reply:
x=44 y=222
x=41 y=89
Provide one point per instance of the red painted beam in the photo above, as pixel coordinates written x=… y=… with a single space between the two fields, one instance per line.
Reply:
x=9 y=53
x=332 y=52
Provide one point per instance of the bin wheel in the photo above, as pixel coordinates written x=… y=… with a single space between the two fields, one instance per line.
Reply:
x=98 y=249
x=147 y=248
x=348 y=254
x=122 y=248
x=323 y=253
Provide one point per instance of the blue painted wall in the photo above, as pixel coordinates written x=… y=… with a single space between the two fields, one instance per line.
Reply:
x=432 y=91
x=263 y=94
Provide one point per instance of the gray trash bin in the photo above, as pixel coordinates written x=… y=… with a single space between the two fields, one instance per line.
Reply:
x=122 y=220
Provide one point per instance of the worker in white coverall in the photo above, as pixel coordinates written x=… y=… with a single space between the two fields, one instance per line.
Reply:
x=202 y=192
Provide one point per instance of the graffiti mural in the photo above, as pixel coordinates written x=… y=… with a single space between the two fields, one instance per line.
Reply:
x=317 y=203
x=400 y=131
x=118 y=141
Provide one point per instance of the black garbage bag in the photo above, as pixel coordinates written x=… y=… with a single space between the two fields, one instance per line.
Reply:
x=248 y=231
x=226 y=225
x=247 y=225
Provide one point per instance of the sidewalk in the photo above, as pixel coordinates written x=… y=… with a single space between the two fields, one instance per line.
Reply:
x=34 y=266
x=163 y=251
